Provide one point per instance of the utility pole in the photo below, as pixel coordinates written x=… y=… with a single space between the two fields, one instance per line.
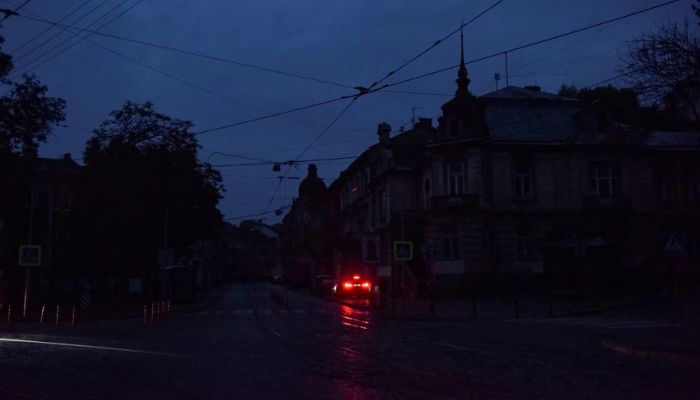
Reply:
x=165 y=229
x=29 y=242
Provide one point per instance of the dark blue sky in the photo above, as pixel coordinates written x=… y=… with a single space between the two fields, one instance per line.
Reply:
x=351 y=42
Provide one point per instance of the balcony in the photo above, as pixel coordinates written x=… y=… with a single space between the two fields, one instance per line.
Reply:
x=607 y=203
x=454 y=202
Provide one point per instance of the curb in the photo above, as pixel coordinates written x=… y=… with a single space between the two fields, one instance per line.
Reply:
x=656 y=355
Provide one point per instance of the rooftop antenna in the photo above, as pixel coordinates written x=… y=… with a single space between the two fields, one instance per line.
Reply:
x=413 y=115
x=497 y=77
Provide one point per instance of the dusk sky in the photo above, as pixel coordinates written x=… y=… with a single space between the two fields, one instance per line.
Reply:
x=350 y=42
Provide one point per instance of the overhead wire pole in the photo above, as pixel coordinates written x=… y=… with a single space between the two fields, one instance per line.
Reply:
x=9 y=13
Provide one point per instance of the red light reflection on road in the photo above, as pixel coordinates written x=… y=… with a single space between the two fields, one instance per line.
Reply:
x=353 y=318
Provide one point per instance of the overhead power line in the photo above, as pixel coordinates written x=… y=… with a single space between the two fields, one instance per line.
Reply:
x=9 y=13
x=363 y=91
x=189 y=52
x=527 y=45
x=57 y=34
x=81 y=38
x=276 y=114
x=48 y=28
x=435 y=44
x=288 y=162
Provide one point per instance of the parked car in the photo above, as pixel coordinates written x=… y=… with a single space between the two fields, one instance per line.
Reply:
x=323 y=285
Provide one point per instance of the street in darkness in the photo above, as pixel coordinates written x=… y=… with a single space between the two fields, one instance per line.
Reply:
x=250 y=346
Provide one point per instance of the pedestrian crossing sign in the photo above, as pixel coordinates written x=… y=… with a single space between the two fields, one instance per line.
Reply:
x=29 y=256
x=673 y=245
x=403 y=250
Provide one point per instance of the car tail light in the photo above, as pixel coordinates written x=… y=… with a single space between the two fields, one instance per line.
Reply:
x=365 y=285
x=347 y=285
x=356 y=277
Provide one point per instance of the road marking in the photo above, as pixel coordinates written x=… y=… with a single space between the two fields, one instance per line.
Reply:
x=454 y=346
x=86 y=346
x=300 y=311
x=281 y=311
x=266 y=311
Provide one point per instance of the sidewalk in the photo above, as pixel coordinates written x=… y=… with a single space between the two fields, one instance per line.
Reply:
x=461 y=309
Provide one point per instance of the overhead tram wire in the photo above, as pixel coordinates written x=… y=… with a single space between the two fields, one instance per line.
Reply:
x=527 y=45
x=363 y=91
x=272 y=115
x=190 y=52
x=435 y=44
x=48 y=28
x=81 y=38
x=289 y=162
x=289 y=167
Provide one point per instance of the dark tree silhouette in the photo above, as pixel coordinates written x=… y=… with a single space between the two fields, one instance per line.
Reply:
x=27 y=114
x=144 y=189
x=666 y=62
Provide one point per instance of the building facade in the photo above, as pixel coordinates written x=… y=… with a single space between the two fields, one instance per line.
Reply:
x=516 y=187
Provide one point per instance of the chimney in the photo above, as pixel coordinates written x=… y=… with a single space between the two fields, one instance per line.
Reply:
x=383 y=131
x=67 y=157
x=424 y=123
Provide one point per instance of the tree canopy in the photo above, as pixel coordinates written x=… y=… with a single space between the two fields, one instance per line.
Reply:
x=27 y=114
x=145 y=188
x=664 y=66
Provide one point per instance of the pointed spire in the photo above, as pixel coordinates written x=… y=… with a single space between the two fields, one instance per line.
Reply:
x=462 y=79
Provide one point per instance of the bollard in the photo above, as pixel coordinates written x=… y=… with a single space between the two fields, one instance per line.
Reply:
x=9 y=313
x=158 y=311
x=145 y=314
x=168 y=306
x=153 y=310
x=58 y=310
x=162 y=309
x=72 y=320
x=43 y=311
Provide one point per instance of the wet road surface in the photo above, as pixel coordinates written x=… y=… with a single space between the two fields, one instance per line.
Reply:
x=251 y=346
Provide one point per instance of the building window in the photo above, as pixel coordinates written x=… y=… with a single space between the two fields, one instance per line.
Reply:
x=523 y=179
x=486 y=179
x=694 y=249
x=691 y=189
x=604 y=179
x=382 y=205
x=426 y=193
x=450 y=248
x=524 y=249
x=374 y=209
x=455 y=178
x=667 y=189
